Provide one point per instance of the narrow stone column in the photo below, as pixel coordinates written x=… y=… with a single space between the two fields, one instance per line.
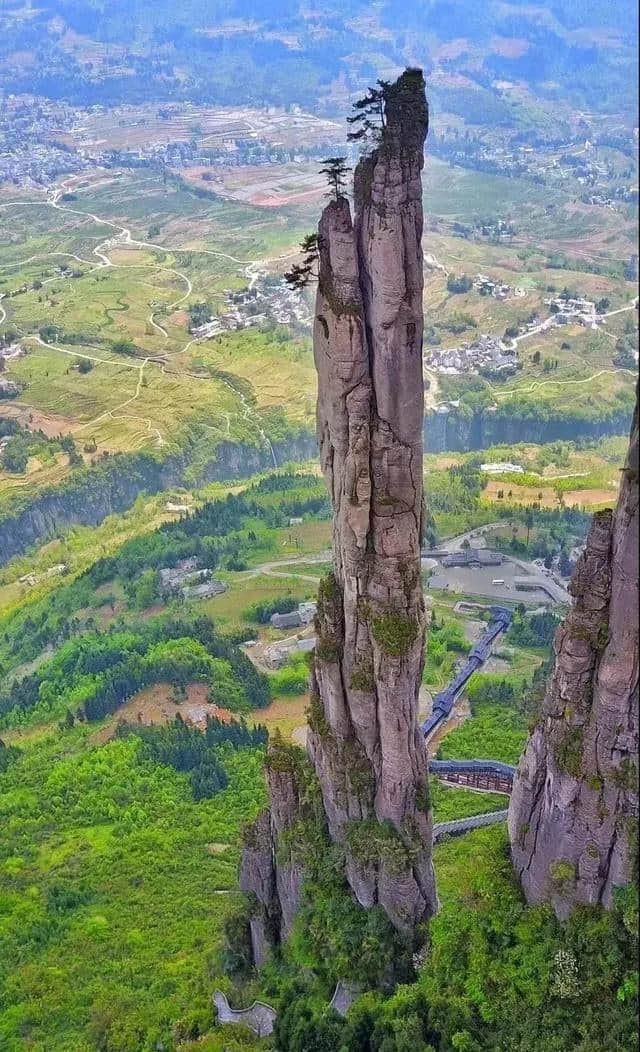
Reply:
x=574 y=809
x=364 y=742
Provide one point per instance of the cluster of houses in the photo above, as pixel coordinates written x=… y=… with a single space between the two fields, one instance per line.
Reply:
x=498 y=289
x=573 y=311
x=267 y=300
x=301 y=616
x=492 y=356
x=28 y=157
x=278 y=654
x=484 y=353
x=38 y=166
x=191 y=582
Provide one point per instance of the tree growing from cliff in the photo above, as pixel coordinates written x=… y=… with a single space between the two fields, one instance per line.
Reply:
x=365 y=774
x=369 y=117
x=301 y=273
x=335 y=170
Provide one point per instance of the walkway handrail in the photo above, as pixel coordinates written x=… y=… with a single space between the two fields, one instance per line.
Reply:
x=470 y=766
x=462 y=825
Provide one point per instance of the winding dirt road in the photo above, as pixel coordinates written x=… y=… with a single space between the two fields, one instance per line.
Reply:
x=121 y=238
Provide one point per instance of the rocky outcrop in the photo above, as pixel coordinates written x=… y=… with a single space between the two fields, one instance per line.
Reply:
x=363 y=741
x=574 y=808
x=270 y=872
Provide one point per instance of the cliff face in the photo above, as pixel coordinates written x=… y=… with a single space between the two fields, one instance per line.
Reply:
x=451 y=429
x=363 y=741
x=113 y=485
x=573 y=812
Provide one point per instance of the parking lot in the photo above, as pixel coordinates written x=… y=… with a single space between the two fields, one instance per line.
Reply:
x=479 y=580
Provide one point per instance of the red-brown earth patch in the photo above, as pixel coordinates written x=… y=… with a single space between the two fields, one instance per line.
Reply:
x=277 y=200
x=50 y=423
x=155 y=705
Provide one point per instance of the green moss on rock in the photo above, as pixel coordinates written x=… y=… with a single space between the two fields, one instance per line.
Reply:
x=423 y=798
x=285 y=758
x=562 y=872
x=372 y=843
x=362 y=677
x=395 y=634
x=328 y=620
x=328 y=649
x=625 y=775
x=567 y=751
x=316 y=717
x=358 y=768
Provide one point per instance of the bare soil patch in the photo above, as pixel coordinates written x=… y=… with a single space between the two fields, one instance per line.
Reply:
x=461 y=712
x=589 y=496
x=277 y=200
x=179 y=317
x=288 y=715
x=522 y=494
x=50 y=423
x=155 y=705
x=473 y=630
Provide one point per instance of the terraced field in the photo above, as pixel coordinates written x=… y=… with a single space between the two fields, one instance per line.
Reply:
x=118 y=257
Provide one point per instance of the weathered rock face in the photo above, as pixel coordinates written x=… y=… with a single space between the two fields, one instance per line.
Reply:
x=364 y=744
x=573 y=812
x=269 y=870
x=364 y=741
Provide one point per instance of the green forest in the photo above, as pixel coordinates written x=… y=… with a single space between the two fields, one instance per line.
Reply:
x=115 y=868
x=119 y=910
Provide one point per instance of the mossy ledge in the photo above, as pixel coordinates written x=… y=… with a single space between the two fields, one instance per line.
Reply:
x=395 y=633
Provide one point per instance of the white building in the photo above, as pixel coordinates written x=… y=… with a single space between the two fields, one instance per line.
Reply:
x=502 y=468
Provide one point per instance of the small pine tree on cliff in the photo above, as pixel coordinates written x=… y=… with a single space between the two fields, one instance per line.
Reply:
x=301 y=273
x=369 y=119
x=335 y=170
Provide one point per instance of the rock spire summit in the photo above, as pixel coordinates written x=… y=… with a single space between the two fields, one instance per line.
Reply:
x=364 y=742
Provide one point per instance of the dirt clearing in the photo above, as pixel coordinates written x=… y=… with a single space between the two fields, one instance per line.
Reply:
x=155 y=705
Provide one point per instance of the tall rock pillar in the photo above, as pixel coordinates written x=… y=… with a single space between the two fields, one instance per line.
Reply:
x=364 y=740
x=366 y=750
x=574 y=809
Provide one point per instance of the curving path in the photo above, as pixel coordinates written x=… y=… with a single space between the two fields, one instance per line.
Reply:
x=260 y=1017
x=558 y=383
x=122 y=237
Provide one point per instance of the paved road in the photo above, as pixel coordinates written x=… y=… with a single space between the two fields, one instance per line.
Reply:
x=454 y=544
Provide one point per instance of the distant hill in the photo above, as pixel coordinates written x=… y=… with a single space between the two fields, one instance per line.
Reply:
x=489 y=63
